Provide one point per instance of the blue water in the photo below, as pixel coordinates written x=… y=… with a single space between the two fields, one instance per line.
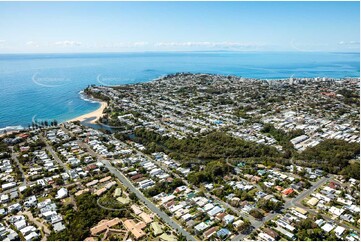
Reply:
x=46 y=86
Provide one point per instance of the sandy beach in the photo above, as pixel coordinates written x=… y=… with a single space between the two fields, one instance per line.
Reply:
x=95 y=115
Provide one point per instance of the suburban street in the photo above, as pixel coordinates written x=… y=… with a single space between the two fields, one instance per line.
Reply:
x=254 y=222
x=14 y=156
x=148 y=203
x=139 y=194
x=293 y=202
x=53 y=153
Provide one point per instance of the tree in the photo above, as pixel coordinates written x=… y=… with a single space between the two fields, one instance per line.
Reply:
x=59 y=181
x=133 y=196
x=331 y=155
x=256 y=214
x=244 y=227
x=352 y=170
x=269 y=205
x=87 y=215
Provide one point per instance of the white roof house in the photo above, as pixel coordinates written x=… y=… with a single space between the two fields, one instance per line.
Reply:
x=339 y=231
x=208 y=207
x=20 y=224
x=327 y=227
x=214 y=211
x=62 y=193
x=201 y=226
x=27 y=230
x=31 y=236
x=228 y=219
x=58 y=227
x=336 y=211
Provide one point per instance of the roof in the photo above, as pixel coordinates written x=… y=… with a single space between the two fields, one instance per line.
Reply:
x=220 y=216
x=167 y=237
x=91 y=239
x=327 y=227
x=100 y=191
x=238 y=223
x=123 y=200
x=214 y=211
x=339 y=230
x=117 y=192
x=210 y=232
x=271 y=233
x=92 y=183
x=223 y=232
x=136 y=209
x=287 y=191
x=157 y=229
x=208 y=206
x=78 y=193
x=103 y=225
x=146 y=218
x=105 y=179
x=201 y=226
x=301 y=210
x=58 y=227
x=313 y=201
x=31 y=236
x=229 y=218
x=284 y=232
x=133 y=228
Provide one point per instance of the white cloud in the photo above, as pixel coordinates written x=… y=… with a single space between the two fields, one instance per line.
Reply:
x=141 y=43
x=68 y=43
x=32 y=43
x=128 y=44
x=2 y=43
x=207 y=44
x=349 y=43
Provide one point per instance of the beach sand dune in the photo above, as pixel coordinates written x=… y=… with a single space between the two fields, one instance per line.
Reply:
x=95 y=115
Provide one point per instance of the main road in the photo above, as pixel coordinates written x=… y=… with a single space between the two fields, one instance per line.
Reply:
x=139 y=194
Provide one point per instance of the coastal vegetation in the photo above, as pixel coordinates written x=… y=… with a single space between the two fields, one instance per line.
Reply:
x=213 y=172
x=95 y=95
x=333 y=156
x=214 y=145
x=42 y=124
x=164 y=187
x=282 y=137
x=81 y=220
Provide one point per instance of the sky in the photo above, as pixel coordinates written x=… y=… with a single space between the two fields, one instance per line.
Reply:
x=63 y=27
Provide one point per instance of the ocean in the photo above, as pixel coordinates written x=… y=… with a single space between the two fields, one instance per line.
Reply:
x=48 y=86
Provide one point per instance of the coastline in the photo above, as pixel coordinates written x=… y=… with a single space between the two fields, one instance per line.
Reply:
x=94 y=115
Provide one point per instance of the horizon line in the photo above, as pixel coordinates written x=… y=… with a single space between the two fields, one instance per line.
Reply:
x=180 y=51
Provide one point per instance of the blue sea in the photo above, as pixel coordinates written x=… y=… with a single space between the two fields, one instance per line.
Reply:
x=47 y=86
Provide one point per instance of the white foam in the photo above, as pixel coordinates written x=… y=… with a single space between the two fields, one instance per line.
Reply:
x=86 y=98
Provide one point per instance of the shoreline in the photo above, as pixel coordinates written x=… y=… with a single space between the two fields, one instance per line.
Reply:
x=95 y=115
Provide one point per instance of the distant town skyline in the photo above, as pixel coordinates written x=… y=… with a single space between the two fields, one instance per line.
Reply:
x=73 y=27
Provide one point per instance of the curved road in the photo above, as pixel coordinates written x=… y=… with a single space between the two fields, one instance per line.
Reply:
x=148 y=203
